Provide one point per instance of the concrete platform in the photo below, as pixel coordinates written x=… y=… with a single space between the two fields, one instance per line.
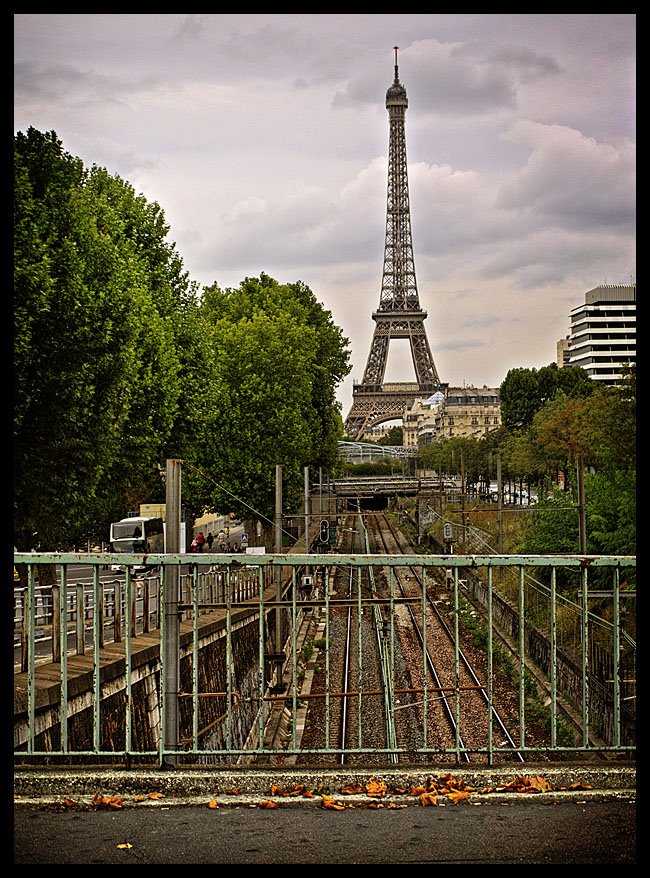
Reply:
x=566 y=814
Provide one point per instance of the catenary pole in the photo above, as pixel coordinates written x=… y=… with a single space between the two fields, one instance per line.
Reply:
x=171 y=642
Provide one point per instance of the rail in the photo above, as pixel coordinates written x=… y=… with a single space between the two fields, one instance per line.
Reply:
x=226 y=697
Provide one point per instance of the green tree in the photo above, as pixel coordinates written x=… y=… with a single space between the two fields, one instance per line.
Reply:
x=96 y=292
x=598 y=431
x=525 y=391
x=278 y=360
x=395 y=436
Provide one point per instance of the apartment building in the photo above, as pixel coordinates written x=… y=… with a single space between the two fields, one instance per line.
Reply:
x=464 y=411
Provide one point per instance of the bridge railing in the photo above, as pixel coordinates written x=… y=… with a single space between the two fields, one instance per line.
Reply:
x=251 y=637
x=141 y=611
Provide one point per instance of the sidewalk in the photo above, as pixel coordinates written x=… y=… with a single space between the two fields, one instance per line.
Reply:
x=550 y=814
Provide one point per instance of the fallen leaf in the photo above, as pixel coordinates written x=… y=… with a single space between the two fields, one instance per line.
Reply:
x=417 y=791
x=124 y=846
x=297 y=790
x=428 y=799
x=376 y=787
x=268 y=805
x=112 y=802
x=213 y=804
x=352 y=789
x=332 y=804
x=540 y=784
x=458 y=796
x=156 y=796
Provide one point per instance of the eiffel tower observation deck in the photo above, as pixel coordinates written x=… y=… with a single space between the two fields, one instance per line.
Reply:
x=399 y=314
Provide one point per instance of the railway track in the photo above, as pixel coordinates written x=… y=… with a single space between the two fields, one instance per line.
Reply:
x=393 y=688
x=440 y=666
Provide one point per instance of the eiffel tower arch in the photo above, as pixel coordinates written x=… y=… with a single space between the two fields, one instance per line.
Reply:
x=399 y=314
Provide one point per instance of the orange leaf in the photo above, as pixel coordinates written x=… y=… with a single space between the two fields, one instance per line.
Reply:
x=268 y=805
x=580 y=786
x=448 y=780
x=457 y=796
x=417 y=791
x=540 y=784
x=112 y=802
x=376 y=787
x=428 y=799
x=213 y=804
x=125 y=846
x=276 y=790
x=233 y=792
x=332 y=804
x=352 y=789
x=156 y=796
x=308 y=794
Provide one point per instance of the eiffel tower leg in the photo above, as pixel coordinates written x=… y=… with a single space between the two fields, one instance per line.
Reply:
x=377 y=358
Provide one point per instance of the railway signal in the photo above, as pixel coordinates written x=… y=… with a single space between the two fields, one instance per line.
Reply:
x=324 y=531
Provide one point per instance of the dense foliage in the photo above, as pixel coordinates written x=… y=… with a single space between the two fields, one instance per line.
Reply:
x=525 y=391
x=550 y=434
x=120 y=363
x=278 y=358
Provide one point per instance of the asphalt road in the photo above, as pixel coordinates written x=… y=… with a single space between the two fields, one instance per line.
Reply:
x=526 y=831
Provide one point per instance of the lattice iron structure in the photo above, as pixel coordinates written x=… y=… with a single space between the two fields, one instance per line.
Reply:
x=399 y=314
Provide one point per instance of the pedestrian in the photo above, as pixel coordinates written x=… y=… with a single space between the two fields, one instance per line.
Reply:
x=228 y=548
x=200 y=539
x=195 y=546
x=209 y=540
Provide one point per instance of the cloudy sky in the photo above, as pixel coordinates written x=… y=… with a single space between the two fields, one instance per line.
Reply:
x=264 y=138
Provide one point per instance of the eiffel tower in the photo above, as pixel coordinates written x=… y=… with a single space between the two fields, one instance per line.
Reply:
x=399 y=314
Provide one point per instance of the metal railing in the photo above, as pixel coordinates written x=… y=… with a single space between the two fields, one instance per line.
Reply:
x=142 y=612
x=240 y=653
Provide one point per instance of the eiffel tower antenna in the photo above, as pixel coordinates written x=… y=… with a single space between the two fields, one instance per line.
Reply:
x=399 y=314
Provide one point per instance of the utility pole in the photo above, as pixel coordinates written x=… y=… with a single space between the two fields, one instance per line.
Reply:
x=463 y=516
x=307 y=510
x=500 y=503
x=278 y=509
x=278 y=576
x=171 y=641
x=582 y=518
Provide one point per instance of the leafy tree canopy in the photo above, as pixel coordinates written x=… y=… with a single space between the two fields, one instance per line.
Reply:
x=525 y=391
x=96 y=293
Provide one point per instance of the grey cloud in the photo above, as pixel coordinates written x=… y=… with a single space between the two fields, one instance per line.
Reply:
x=72 y=85
x=527 y=64
x=572 y=178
